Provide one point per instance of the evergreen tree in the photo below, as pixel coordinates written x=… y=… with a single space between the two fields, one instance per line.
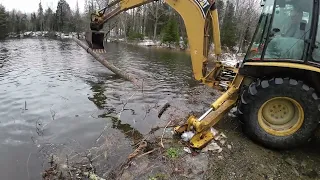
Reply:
x=33 y=21
x=3 y=22
x=77 y=19
x=228 y=30
x=171 y=32
x=246 y=39
x=12 y=21
x=63 y=14
x=49 y=20
x=17 y=23
x=24 y=22
x=40 y=25
x=220 y=8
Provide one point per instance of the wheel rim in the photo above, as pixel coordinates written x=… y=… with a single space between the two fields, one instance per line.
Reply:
x=281 y=116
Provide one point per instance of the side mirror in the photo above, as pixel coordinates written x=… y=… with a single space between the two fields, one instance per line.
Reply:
x=303 y=26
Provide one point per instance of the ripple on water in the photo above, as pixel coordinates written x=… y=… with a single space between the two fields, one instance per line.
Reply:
x=60 y=86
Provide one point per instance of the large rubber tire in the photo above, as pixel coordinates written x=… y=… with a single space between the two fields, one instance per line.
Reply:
x=259 y=92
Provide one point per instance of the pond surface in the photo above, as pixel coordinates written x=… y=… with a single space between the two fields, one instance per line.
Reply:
x=54 y=92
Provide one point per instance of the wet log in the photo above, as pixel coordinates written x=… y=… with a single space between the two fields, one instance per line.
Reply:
x=109 y=65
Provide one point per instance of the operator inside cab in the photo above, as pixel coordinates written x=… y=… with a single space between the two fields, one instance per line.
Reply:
x=292 y=28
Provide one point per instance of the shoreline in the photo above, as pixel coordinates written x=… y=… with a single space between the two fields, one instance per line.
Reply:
x=148 y=43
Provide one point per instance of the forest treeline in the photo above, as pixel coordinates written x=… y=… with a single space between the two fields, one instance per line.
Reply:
x=155 y=20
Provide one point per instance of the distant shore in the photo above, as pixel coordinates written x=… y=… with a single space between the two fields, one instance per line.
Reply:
x=156 y=44
x=61 y=35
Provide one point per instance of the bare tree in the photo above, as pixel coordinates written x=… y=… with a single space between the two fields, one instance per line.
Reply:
x=155 y=10
x=247 y=13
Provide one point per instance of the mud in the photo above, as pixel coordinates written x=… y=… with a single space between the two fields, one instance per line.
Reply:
x=240 y=157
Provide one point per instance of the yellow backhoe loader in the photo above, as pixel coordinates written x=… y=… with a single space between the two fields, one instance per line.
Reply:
x=274 y=88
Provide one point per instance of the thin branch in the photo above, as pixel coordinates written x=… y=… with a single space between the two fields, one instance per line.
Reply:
x=25 y=105
x=28 y=165
x=149 y=152
x=101 y=133
x=164 y=130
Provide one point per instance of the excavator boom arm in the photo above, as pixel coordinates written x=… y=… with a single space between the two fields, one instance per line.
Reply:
x=197 y=15
x=99 y=18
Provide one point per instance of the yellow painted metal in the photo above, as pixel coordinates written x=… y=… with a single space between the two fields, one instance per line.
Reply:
x=215 y=116
x=195 y=17
x=192 y=120
x=199 y=140
x=210 y=120
x=220 y=107
x=129 y=4
x=194 y=22
x=224 y=97
x=216 y=32
x=281 y=116
x=283 y=64
x=234 y=88
x=180 y=129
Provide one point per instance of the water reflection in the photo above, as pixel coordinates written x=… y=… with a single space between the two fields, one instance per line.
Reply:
x=100 y=100
x=126 y=129
x=65 y=45
x=157 y=65
x=59 y=76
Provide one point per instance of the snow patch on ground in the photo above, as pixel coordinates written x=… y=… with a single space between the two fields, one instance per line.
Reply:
x=149 y=42
x=46 y=34
x=230 y=59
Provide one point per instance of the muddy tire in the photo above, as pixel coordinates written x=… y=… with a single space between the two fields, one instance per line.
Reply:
x=279 y=113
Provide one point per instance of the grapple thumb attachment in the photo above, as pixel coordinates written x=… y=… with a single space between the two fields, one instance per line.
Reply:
x=95 y=40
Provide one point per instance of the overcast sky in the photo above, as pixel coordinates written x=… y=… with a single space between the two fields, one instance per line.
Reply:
x=29 y=6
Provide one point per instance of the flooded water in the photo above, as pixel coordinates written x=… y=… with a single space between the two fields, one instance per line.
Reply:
x=54 y=92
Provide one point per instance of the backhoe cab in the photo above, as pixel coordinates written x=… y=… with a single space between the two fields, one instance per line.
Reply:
x=275 y=88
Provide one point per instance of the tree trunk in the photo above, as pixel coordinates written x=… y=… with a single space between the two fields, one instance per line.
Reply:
x=155 y=30
x=134 y=20
x=109 y=65
x=145 y=15
x=156 y=22
x=124 y=22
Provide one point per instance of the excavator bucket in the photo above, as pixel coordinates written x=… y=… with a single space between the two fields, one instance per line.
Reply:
x=95 y=40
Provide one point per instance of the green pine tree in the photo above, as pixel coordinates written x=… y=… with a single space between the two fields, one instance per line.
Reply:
x=3 y=22
x=171 y=32
x=17 y=24
x=49 y=19
x=40 y=24
x=64 y=15
x=220 y=8
x=246 y=39
x=23 y=22
x=228 y=30
x=77 y=19
x=33 y=21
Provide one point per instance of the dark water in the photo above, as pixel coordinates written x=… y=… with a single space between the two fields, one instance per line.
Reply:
x=54 y=92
